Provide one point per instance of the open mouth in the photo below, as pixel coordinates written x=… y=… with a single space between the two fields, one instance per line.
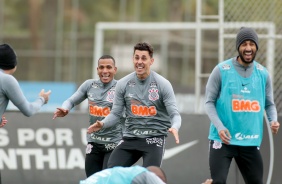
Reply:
x=140 y=67
x=105 y=77
x=248 y=55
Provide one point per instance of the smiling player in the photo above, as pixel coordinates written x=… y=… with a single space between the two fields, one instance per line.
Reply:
x=151 y=113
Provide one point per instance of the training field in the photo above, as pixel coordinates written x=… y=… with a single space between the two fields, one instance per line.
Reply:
x=41 y=150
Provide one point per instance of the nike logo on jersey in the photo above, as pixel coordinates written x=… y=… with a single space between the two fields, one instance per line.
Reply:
x=177 y=149
x=245 y=84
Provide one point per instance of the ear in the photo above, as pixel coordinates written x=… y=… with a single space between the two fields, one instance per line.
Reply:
x=152 y=61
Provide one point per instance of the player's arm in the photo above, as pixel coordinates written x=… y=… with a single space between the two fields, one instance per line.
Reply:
x=14 y=93
x=79 y=96
x=171 y=107
x=213 y=88
x=270 y=107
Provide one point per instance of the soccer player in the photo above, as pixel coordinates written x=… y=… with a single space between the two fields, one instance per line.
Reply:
x=10 y=89
x=100 y=94
x=237 y=93
x=128 y=175
x=151 y=113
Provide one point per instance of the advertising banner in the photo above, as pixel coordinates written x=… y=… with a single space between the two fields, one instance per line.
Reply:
x=41 y=150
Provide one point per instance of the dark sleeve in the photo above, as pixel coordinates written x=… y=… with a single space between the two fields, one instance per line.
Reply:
x=213 y=89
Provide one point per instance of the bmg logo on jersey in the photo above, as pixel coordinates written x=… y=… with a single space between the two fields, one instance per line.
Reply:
x=99 y=111
x=140 y=110
x=245 y=106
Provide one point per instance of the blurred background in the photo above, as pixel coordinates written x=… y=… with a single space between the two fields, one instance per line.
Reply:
x=55 y=40
x=58 y=42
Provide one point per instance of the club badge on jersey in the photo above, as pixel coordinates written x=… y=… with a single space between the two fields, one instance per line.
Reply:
x=153 y=94
x=111 y=95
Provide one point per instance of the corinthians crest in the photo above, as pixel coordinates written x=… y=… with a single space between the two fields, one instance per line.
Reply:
x=153 y=94
x=111 y=95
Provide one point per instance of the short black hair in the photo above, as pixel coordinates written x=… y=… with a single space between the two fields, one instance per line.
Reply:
x=106 y=56
x=144 y=47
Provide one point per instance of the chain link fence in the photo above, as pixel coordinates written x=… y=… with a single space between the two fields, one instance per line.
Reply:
x=259 y=11
x=72 y=59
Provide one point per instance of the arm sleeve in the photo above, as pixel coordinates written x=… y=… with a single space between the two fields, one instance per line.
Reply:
x=213 y=88
x=79 y=96
x=147 y=177
x=117 y=108
x=270 y=107
x=171 y=107
x=14 y=93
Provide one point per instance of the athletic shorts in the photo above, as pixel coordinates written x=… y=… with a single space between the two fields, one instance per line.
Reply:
x=247 y=158
x=130 y=150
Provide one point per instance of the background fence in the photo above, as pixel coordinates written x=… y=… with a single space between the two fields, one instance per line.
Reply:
x=54 y=40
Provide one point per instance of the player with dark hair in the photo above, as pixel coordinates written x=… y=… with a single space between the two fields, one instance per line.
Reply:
x=150 y=112
x=100 y=94
x=10 y=89
x=238 y=92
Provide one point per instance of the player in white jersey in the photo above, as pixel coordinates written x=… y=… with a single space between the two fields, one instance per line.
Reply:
x=100 y=94
x=151 y=113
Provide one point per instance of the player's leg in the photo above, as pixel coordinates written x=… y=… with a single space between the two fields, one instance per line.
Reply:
x=93 y=159
x=250 y=164
x=107 y=150
x=106 y=159
x=220 y=157
x=153 y=151
x=124 y=154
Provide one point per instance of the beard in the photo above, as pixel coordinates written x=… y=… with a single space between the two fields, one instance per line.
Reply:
x=244 y=61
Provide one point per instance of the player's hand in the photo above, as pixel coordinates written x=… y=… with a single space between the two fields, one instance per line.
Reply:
x=174 y=132
x=45 y=95
x=225 y=136
x=274 y=127
x=3 y=122
x=95 y=127
x=60 y=112
x=208 y=181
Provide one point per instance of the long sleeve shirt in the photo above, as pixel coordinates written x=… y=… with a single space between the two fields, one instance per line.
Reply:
x=150 y=106
x=213 y=90
x=100 y=98
x=10 y=90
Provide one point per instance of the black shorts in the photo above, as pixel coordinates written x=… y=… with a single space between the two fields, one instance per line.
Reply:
x=97 y=156
x=247 y=158
x=130 y=150
x=93 y=147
